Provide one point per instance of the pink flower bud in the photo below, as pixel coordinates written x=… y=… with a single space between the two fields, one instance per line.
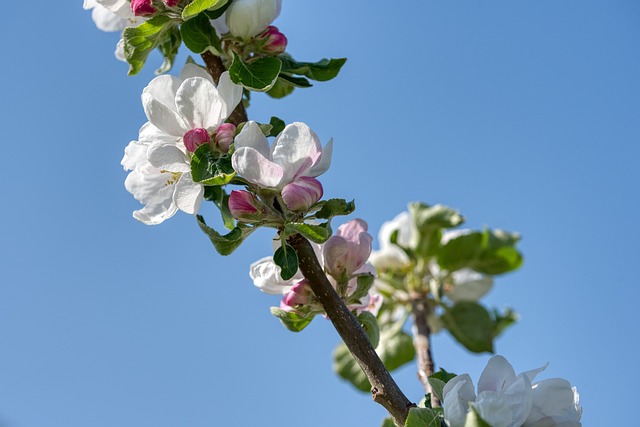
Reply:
x=224 y=136
x=348 y=250
x=298 y=295
x=171 y=3
x=273 y=41
x=195 y=138
x=302 y=193
x=142 y=7
x=244 y=206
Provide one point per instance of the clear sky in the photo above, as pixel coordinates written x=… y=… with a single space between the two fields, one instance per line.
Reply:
x=524 y=115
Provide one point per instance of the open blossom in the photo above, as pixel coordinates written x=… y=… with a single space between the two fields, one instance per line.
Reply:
x=175 y=107
x=247 y=18
x=296 y=153
x=507 y=400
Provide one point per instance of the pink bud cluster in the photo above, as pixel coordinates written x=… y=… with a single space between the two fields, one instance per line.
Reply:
x=223 y=137
x=146 y=7
x=272 y=41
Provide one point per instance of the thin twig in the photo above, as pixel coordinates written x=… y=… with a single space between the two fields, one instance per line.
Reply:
x=422 y=344
x=384 y=389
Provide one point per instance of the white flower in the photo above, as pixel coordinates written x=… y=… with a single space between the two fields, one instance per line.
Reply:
x=247 y=18
x=507 y=400
x=111 y=16
x=174 y=106
x=296 y=152
x=266 y=277
x=390 y=256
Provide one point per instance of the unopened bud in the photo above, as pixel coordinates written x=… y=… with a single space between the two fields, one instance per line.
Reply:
x=244 y=206
x=171 y=3
x=224 y=136
x=302 y=193
x=273 y=41
x=195 y=138
x=298 y=295
x=142 y=7
x=247 y=18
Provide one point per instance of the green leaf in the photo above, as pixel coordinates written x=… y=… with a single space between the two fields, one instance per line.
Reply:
x=323 y=70
x=198 y=34
x=474 y=420
x=209 y=169
x=335 y=207
x=295 y=81
x=221 y=199
x=292 y=321
x=422 y=417
x=364 y=283
x=259 y=75
x=169 y=49
x=471 y=325
x=287 y=259
x=489 y=251
x=395 y=349
x=370 y=325
x=217 y=13
x=280 y=89
x=429 y=221
x=277 y=126
x=388 y=422
x=315 y=233
x=225 y=244
x=197 y=6
x=141 y=40
x=438 y=381
x=503 y=320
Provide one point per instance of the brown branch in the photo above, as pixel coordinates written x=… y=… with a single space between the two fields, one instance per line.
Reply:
x=422 y=344
x=215 y=67
x=384 y=389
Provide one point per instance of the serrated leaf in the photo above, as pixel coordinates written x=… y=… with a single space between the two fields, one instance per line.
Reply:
x=335 y=207
x=292 y=321
x=139 y=41
x=471 y=325
x=225 y=244
x=197 y=6
x=198 y=34
x=370 y=325
x=259 y=75
x=209 y=168
x=169 y=49
x=221 y=199
x=323 y=70
x=315 y=233
x=286 y=258
x=422 y=417
x=438 y=381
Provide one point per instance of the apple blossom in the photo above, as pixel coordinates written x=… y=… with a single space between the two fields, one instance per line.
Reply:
x=347 y=250
x=302 y=193
x=142 y=7
x=391 y=256
x=247 y=18
x=244 y=206
x=507 y=400
x=224 y=136
x=265 y=275
x=296 y=153
x=298 y=295
x=175 y=107
x=272 y=41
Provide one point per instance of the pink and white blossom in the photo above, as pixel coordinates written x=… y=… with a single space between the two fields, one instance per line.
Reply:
x=244 y=206
x=302 y=193
x=247 y=18
x=347 y=250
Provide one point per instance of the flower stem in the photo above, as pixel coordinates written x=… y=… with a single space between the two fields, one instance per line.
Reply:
x=422 y=344
x=384 y=389
x=215 y=67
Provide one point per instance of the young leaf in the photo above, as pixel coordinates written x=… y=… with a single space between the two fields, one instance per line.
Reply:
x=280 y=89
x=422 y=417
x=295 y=81
x=259 y=75
x=429 y=221
x=169 y=49
x=197 y=6
x=315 y=233
x=370 y=326
x=225 y=244
x=364 y=283
x=323 y=70
x=335 y=207
x=277 y=126
x=198 y=34
x=209 y=169
x=471 y=325
x=287 y=259
x=221 y=199
x=438 y=381
x=141 y=40
x=292 y=321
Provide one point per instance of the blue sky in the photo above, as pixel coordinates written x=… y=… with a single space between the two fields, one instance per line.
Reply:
x=523 y=115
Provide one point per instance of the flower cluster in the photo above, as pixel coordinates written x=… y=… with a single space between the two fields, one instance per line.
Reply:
x=507 y=400
x=344 y=258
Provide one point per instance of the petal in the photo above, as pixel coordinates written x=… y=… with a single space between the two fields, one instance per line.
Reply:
x=407 y=232
x=155 y=191
x=150 y=134
x=198 y=103
x=469 y=285
x=194 y=70
x=296 y=149
x=497 y=375
x=158 y=101
x=257 y=169
x=108 y=21
x=230 y=95
x=135 y=156
x=168 y=157
x=266 y=276
x=188 y=194
x=322 y=165
x=553 y=398
x=251 y=136
x=457 y=394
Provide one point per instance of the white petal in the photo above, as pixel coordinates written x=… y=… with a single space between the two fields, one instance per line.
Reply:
x=296 y=149
x=198 y=103
x=457 y=394
x=168 y=157
x=322 y=165
x=266 y=276
x=407 y=232
x=469 y=285
x=497 y=375
x=149 y=134
x=135 y=156
x=108 y=21
x=257 y=169
x=194 y=70
x=230 y=95
x=252 y=136
x=158 y=101
x=553 y=398
x=494 y=409
x=188 y=194
x=155 y=191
